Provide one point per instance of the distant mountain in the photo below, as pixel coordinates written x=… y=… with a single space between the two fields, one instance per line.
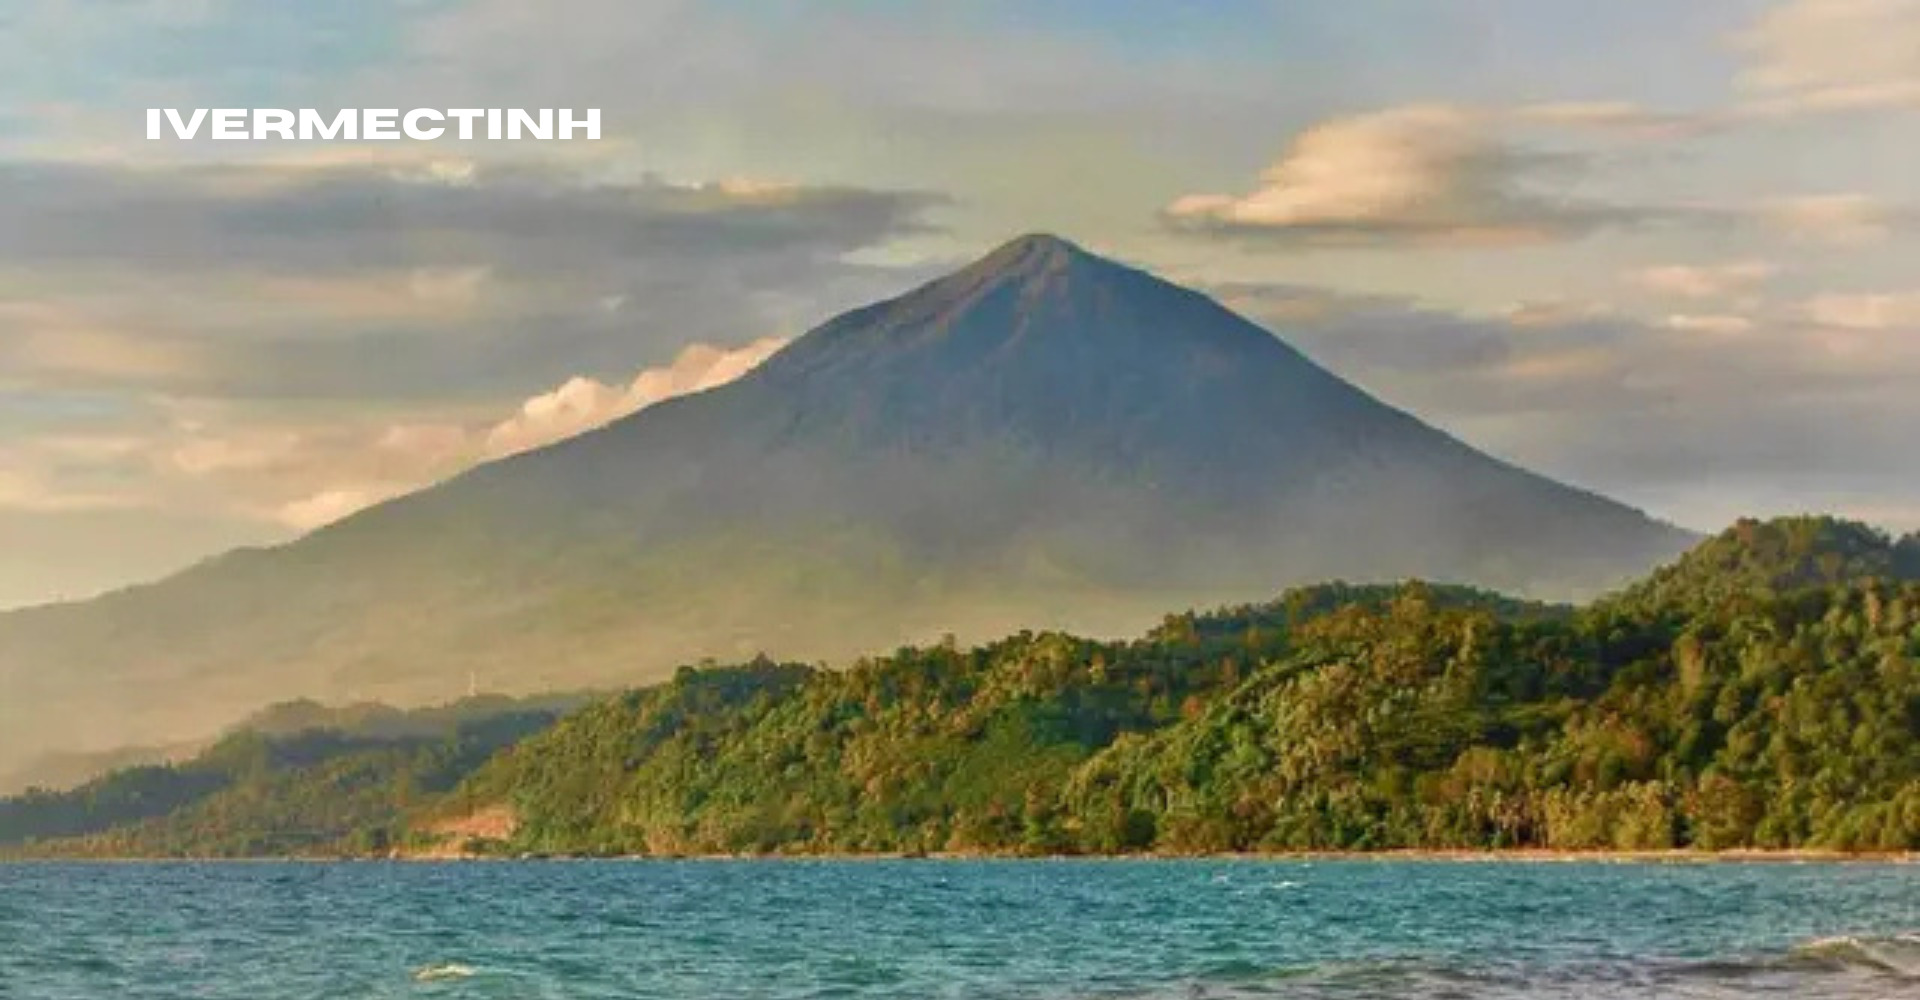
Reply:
x=294 y=778
x=58 y=770
x=1044 y=438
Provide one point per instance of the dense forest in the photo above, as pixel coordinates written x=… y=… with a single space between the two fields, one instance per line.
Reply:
x=1762 y=692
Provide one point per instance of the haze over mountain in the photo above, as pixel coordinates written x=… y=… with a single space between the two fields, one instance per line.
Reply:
x=1044 y=438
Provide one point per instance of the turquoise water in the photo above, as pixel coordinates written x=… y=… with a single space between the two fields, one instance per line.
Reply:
x=930 y=929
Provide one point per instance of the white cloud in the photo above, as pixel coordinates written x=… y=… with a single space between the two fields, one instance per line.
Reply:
x=301 y=472
x=1844 y=219
x=579 y=404
x=304 y=481
x=24 y=490
x=1865 y=312
x=328 y=506
x=448 y=284
x=432 y=443
x=1382 y=168
x=201 y=455
x=1833 y=55
x=1708 y=323
x=1621 y=117
x=1704 y=281
x=70 y=341
x=1428 y=173
x=1549 y=313
x=582 y=403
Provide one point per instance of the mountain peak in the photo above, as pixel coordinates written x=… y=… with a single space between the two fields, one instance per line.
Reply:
x=1036 y=263
x=1034 y=290
x=1033 y=253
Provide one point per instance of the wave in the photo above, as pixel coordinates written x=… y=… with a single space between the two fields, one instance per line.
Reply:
x=1894 y=954
x=1851 y=967
x=1841 y=966
x=444 y=972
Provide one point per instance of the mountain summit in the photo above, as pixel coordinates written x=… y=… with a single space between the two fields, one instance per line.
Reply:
x=1043 y=438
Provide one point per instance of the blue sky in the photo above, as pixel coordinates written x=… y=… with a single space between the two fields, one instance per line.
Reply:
x=1663 y=250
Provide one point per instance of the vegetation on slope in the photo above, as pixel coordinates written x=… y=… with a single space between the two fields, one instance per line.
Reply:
x=1763 y=692
x=1413 y=724
x=296 y=778
x=1755 y=558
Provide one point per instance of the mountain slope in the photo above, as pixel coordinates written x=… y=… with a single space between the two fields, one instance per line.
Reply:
x=1741 y=704
x=1044 y=438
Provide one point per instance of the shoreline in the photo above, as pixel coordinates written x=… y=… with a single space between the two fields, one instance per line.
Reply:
x=1538 y=856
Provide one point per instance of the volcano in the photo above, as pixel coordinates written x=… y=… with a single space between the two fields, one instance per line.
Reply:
x=1045 y=438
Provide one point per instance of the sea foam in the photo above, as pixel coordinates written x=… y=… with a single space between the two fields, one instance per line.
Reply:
x=442 y=973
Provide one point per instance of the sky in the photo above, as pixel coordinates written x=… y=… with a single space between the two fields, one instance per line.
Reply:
x=1662 y=250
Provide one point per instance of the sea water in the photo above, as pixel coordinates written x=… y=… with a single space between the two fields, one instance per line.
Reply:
x=709 y=930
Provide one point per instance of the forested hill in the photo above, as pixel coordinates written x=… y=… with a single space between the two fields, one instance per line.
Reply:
x=1763 y=692
x=1757 y=558
x=295 y=778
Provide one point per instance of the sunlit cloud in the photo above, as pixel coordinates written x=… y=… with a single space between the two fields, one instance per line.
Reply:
x=328 y=506
x=582 y=403
x=1704 y=281
x=1713 y=323
x=1847 y=219
x=1884 y=311
x=1430 y=174
x=1833 y=55
x=304 y=478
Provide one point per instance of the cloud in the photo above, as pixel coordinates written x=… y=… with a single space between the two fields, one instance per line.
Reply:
x=291 y=340
x=369 y=216
x=1619 y=117
x=1435 y=174
x=583 y=403
x=1704 y=281
x=1884 y=311
x=254 y=451
x=331 y=505
x=1833 y=55
x=1839 y=219
x=64 y=472
x=1656 y=410
x=1713 y=323
x=430 y=443
x=23 y=490
x=362 y=281
x=300 y=470
x=303 y=477
x=52 y=340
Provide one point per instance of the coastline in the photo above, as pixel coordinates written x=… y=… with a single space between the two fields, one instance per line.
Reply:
x=1539 y=856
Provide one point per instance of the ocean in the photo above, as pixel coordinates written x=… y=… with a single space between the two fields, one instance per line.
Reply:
x=1060 y=930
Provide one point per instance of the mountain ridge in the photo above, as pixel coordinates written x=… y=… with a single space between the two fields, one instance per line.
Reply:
x=1045 y=438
